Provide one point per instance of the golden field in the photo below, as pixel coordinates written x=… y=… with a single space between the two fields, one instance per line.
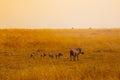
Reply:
x=101 y=60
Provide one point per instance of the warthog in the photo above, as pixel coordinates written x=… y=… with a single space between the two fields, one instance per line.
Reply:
x=43 y=55
x=32 y=55
x=74 y=53
x=58 y=55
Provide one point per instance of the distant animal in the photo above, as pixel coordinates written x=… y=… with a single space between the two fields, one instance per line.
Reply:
x=74 y=53
x=43 y=55
x=32 y=55
x=82 y=52
x=58 y=55
x=51 y=55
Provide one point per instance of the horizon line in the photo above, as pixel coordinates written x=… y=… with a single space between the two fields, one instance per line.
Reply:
x=61 y=28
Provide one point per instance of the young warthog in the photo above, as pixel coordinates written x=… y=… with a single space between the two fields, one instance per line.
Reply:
x=58 y=55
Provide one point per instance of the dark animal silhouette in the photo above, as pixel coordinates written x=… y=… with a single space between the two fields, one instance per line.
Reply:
x=32 y=55
x=43 y=55
x=74 y=53
x=58 y=55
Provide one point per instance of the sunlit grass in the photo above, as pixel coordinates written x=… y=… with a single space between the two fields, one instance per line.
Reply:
x=100 y=62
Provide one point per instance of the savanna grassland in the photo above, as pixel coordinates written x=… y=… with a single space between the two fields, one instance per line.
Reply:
x=101 y=60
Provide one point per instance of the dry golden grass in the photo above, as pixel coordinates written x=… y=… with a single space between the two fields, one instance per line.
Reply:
x=101 y=60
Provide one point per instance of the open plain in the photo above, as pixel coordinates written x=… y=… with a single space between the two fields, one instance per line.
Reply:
x=101 y=59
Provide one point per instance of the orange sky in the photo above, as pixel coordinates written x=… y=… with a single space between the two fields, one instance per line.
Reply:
x=59 y=13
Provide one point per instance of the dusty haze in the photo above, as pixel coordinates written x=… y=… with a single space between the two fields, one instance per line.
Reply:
x=59 y=13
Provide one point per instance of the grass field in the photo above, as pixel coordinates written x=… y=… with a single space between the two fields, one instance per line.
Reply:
x=101 y=60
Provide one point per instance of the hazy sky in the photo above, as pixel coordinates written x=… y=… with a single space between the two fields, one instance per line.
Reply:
x=59 y=13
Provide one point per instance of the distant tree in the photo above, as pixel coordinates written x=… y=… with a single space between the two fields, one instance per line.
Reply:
x=90 y=27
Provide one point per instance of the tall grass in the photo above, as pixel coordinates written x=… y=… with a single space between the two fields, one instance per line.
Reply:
x=100 y=62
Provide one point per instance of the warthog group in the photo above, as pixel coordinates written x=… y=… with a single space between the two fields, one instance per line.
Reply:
x=57 y=55
x=74 y=54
